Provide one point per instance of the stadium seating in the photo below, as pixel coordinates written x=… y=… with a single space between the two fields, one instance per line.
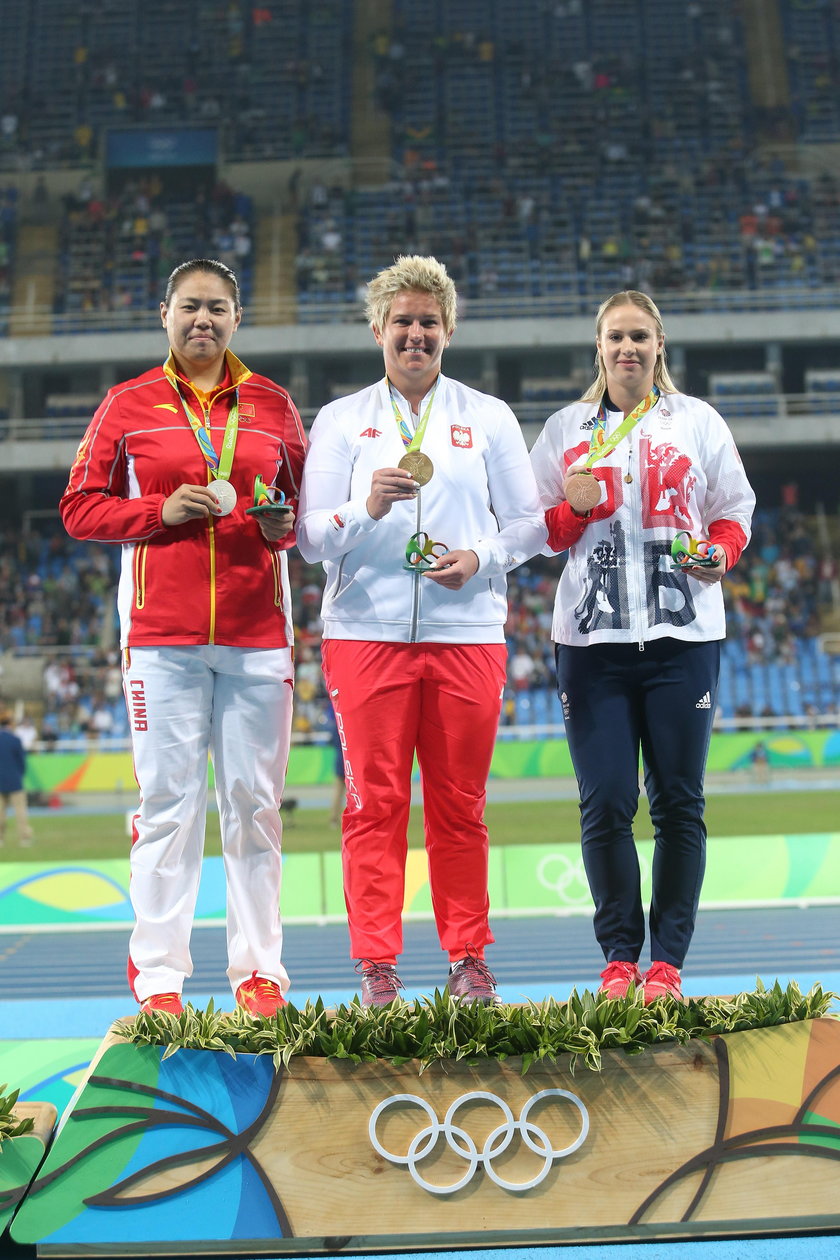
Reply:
x=541 y=150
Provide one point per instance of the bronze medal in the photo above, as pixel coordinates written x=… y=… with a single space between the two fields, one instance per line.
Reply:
x=583 y=491
x=419 y=465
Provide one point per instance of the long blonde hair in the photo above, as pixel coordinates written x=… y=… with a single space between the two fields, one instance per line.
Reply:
x=661 y=375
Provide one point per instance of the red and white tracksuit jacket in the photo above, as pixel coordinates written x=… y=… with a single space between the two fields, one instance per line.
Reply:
x=222 y=583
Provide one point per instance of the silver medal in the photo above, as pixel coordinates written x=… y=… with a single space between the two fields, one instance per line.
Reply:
x=226 y=495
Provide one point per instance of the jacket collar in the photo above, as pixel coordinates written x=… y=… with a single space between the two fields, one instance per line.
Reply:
x=236 y=368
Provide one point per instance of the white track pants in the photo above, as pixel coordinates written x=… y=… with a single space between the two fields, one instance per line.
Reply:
x=184 y=703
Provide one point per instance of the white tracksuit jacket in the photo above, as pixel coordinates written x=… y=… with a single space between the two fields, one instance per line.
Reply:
x=482 y=497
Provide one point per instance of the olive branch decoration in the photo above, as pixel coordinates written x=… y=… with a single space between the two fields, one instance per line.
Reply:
x=183 y=1114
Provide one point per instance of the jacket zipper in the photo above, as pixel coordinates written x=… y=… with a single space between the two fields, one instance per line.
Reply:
x=638 y=542
x=416 y=578
x=211 y=638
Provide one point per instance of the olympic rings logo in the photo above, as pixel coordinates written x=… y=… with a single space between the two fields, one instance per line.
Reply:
x=460 y=1142
x=567 y=878
x=560 y=875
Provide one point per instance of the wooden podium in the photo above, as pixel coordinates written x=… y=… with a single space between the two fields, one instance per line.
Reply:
x=198 y=1152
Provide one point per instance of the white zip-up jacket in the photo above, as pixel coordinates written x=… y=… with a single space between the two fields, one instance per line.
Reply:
x=482 y=497
x=678 y=469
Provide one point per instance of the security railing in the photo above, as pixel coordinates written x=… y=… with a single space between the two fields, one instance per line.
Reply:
x=44 y=322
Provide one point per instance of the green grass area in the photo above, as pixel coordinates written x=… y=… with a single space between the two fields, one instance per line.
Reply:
x=66 y=837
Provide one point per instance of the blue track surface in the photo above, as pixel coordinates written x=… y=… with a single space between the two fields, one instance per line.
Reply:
x=82 y=974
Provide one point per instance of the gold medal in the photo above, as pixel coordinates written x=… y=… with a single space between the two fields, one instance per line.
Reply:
x=419 y=465
x=583 y=491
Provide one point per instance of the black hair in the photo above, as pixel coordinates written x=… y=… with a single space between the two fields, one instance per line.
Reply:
x=203 y=264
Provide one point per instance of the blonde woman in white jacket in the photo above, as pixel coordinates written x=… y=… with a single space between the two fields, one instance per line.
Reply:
x=418 y=497
x=624 y=473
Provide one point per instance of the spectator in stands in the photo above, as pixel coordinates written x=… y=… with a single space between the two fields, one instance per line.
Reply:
x=206 y=633
x=27 y=732
x=414 y=654
x=12 y=792
x=638 y=645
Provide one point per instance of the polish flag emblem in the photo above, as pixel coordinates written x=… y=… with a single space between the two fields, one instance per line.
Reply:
x=461 y=436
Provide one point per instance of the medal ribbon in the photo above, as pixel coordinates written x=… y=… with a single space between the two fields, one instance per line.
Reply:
x=219 y=465
x=600 y=445
x=411 y=441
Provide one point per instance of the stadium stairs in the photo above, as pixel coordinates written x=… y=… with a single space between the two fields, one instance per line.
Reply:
x=34 y=284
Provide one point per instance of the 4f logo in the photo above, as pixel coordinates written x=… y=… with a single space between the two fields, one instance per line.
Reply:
x=371 y=433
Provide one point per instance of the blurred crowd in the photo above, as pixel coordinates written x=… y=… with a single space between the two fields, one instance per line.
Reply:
x=504 y=133
x=57 y=612
x=117 y=250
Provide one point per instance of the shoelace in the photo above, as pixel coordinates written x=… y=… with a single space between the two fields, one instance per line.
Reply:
x=664 y=975
x=381 y=979
x=479 y=976
x=619 y=970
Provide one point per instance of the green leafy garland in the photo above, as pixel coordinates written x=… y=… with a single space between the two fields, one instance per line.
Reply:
x=437 y=1028
x=11 y=1126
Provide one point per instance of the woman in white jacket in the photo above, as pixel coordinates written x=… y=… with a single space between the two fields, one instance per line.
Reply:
x=418 y=497
x=624 y=474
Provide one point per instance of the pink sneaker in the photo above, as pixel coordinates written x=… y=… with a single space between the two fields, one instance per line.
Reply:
x=617 y=977
x=662 y=980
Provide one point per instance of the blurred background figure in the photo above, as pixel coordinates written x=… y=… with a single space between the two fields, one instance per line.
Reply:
x=12 y=791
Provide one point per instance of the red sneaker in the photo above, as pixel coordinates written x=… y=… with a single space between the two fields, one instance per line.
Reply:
x=168 y=1002
x=617 y=977
x=259 y=996
x=662 y=980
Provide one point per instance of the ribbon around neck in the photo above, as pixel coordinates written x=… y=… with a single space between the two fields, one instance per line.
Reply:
x=219 y=465
x=599 y=445
x=411 y=441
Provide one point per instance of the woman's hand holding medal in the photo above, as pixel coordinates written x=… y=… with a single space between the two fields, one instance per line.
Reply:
x=189 y=503
x=387 y=487
x=582 y=489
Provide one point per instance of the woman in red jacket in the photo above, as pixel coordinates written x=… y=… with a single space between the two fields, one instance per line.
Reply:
x=168 y=469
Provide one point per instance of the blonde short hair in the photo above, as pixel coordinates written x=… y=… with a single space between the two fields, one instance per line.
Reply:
x=411 y=273
x=661 y=375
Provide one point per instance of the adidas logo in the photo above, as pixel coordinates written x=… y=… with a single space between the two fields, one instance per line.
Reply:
x=590 y=424
x=370 y=433
x=705 y=702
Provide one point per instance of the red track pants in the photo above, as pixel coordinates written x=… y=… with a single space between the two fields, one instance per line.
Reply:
x=443 y=702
